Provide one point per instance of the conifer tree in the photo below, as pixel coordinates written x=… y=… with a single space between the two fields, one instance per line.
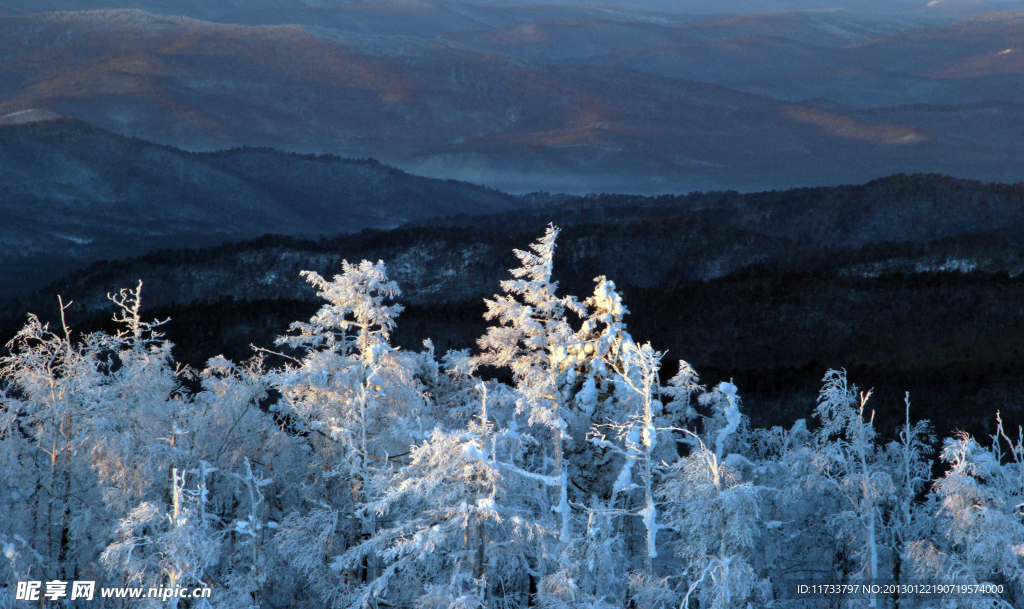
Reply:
x=356 y=400
x=534 y=340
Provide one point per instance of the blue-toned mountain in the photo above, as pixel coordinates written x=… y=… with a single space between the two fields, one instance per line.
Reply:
x=560 y=98
x=71 y=193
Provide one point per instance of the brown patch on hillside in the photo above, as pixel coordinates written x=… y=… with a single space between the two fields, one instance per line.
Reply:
x=128 y=56
x=1004 y=61
x=847 y=127
x=558 y=138
x=387 y=6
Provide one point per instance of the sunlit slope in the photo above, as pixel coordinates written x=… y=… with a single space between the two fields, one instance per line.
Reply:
x=843 y=58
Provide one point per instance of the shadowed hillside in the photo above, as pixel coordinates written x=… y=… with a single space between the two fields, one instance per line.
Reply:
x=71 y=193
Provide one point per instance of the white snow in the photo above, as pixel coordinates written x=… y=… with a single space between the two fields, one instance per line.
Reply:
x=622 y=482
x=650 y=517
x=472 y=451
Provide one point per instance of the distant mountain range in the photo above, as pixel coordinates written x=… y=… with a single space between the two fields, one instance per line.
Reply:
x=71 y=193
x=907 y=224
x=560 y=97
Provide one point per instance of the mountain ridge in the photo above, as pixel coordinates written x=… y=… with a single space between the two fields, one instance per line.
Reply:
x=72 y=193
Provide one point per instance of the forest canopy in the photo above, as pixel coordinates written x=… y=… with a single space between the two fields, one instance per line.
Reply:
x=342 y=471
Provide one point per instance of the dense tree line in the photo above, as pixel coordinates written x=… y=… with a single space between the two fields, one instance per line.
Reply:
x=358 y=474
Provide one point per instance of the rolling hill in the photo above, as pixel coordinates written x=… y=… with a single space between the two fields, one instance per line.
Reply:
x=71 y=194
x=559 y=98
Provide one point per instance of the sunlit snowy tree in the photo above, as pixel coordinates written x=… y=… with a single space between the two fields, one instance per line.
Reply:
x=356 y=402
x=979 y=519
x=534 y=339
x=87 y=434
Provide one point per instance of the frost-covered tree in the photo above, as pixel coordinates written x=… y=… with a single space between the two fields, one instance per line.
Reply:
x=795 y=540
x=637 y=436
x=587 y=382
x=251 y=468
x=139 y=428
x=460 y=525
x=617 y=405
x=54 y=389
x=979 y=523
x=714 y=511
x=596 y=360
x=906 y=521
x=85 y=432
x=355 y=400
x=534 y=340
x=852 y=465
x=166 y=545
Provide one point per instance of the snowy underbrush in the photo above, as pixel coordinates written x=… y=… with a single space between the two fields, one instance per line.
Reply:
x=361 y=475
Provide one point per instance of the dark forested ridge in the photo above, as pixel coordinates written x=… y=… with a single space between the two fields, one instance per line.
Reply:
x=71 y=193
x=912 y=283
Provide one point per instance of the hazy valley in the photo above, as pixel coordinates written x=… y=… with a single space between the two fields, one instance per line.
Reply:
x=560 y=97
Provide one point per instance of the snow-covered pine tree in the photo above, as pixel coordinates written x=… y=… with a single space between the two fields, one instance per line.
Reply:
x=534 y=340
x=592 y=371
x=357 y=404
